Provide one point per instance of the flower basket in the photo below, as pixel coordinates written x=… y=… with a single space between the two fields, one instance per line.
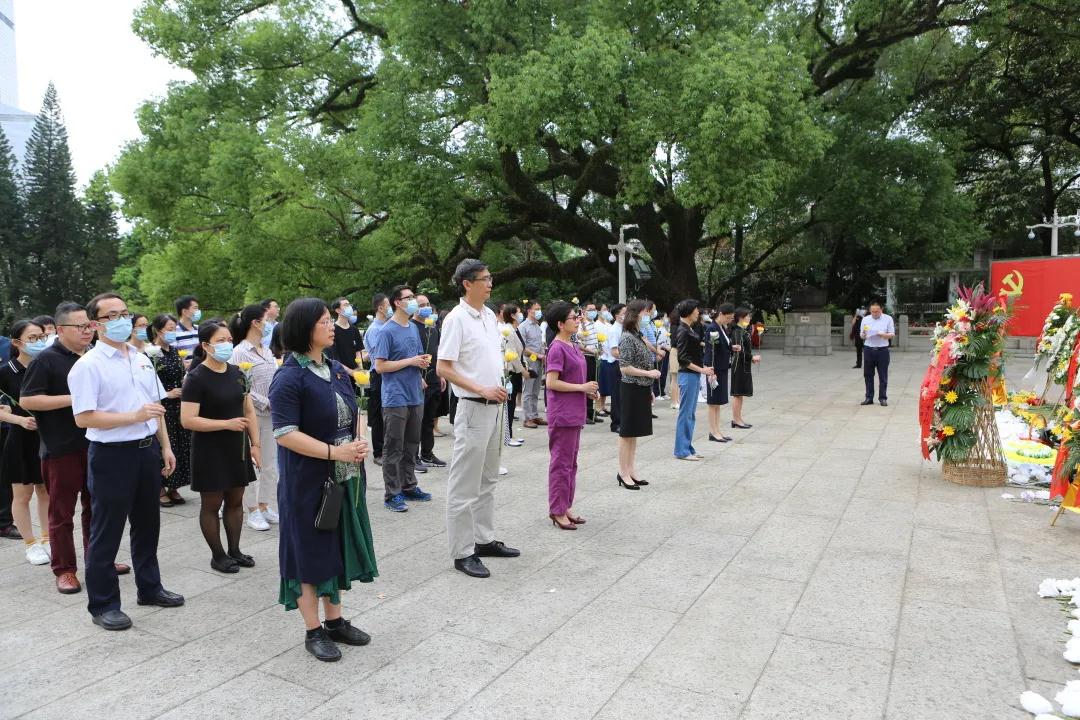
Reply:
x=984 y=465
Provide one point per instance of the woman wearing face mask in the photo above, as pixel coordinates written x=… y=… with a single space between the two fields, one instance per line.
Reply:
x=742 y=361
x=511 y=316
x=216 y=407
x=19 y=463
x=161 y=334
x=139 y=337
x=248 y=328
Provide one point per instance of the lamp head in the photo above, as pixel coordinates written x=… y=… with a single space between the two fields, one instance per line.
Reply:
x=1031 y=234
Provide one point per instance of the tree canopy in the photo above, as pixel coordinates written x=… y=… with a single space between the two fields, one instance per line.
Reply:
x=337 y=147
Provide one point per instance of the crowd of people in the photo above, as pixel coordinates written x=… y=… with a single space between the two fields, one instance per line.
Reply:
x=270 y=421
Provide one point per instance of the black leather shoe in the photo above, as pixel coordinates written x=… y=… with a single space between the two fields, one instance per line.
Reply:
x=884 y=403
x=495 y=548
x=346 y=633
x=225 y=565
x=472 y=567
x=867 y=402
x=11 y=532
x=243 y=560
x=321 y=646
x=164 y=599
x=113 y=620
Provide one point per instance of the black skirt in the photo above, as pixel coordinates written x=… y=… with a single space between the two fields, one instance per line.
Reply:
x=742 y=380
x=719 y=394
x=635 y=410
x=19 y=462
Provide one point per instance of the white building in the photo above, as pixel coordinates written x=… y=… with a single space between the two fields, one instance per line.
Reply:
x=17 y=124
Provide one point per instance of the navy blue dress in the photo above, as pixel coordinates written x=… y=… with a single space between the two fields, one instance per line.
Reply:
x=300 y=399
x=718 y=355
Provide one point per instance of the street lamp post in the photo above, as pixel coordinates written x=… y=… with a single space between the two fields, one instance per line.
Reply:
x=633 y=246
x=1057 y=223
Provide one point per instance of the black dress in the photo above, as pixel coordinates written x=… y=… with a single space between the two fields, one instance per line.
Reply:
x=718 y=355
x=19 y=462
x=170 y=370
x=220 y=459
x=742 y=379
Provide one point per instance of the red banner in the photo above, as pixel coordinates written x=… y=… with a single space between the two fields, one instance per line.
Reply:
x=1041 y=281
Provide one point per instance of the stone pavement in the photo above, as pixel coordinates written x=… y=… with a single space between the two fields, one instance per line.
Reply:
x=815 y=568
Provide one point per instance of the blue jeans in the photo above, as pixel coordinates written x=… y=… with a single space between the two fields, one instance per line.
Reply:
x=689 y=384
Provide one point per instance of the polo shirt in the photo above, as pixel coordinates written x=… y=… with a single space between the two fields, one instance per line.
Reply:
x=400 y=388
x=347 y=343
x=614 y=334
x=186 y=339
x=48 y=375
x=871 y=327
x=471 y=340
x=104 y=379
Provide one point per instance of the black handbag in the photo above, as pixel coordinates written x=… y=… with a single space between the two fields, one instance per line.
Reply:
x=329 y=514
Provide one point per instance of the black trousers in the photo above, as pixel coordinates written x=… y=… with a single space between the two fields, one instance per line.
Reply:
x=858 y=352
x=516 y=383
x=432 y=403
x=124 y=484
x=374 y=411
x=876 y=358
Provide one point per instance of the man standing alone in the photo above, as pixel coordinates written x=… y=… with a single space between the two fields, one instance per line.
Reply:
x=877 y=330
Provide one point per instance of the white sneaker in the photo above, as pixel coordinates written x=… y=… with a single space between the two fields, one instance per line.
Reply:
x=270 y=516
x=515 y=442
x=48 y=548
x=36 y=555
x=503 y=471
x=256 y=521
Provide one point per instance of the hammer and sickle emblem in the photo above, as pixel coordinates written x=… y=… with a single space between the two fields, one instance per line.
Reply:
x=1013 y=283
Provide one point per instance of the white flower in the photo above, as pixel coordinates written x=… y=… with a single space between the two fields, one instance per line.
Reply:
x=1066 y=587
x=153 y=351
x=1072 y=689
x=1072 y=655
x=1048 y=588
x=1035 y=703
x=1071 y=706
x=1074 y=627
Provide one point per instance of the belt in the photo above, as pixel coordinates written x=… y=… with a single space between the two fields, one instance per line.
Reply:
x=144 y=443
x=482 y=401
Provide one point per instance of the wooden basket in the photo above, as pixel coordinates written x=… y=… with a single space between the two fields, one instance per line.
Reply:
x=981 y=472
x=984 y=466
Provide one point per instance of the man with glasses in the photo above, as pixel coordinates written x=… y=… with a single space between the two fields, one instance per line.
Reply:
x=400 y=359
x=471 y=360
x=63 y=444
x=116 y=395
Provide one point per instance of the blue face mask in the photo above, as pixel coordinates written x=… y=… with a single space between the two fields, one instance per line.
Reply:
x=520 y=317
x=140 y=334
x=196 y=316
x=412 y=307
x=268 y=330
x=223 y=351
x=538 y=315
x=607 y=316
x=170 y=337
x=118 y=330
x=591 y=314
x=425 y=313
x=643 y=323
x=34 y=349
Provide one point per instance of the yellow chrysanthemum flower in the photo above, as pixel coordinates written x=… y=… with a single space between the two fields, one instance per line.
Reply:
x=951 y=397
x=948 y=431
x=510 y=356
x=361 y=377
x=246 y=366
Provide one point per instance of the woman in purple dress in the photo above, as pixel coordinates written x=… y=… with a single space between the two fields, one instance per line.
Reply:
x=567 y=391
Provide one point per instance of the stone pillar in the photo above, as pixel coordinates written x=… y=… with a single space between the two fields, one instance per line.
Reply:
x=954 y=286
x=890 y=293
x=903 y=333
x=807 y=333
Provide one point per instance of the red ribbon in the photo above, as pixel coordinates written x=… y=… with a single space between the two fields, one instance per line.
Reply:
x=929 y=390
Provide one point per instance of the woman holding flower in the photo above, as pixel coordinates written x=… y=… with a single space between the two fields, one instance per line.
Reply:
x=718 y=356
x=513 y=348
x=216 y=407
x=742 y=361
x=169 y=365
x=567 y=392
x=258 y=364
x=315 y=419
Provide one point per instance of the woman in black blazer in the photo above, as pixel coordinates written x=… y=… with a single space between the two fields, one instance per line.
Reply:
x=718 y=355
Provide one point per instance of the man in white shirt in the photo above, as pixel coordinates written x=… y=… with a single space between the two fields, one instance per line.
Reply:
x=272 y=310
x=470 y=359
x=116 y=396
x=877 y=330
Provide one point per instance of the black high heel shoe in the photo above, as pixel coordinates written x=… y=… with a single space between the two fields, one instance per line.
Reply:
x=741 y=427
x=640 y=483
x=722 y=438
x=623 y=483
x=556 y=523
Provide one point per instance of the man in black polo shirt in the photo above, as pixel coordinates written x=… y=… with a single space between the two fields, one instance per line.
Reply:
x=347 y=340
x=63 y=444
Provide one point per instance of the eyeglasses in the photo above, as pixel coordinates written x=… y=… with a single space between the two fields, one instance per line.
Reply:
x=485 y=279
x=116 y=315
x=84 y=328
x=32 y=339
x=327 y=322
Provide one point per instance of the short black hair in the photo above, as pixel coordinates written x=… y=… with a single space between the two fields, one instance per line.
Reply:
x=336 y=306
x=157 y=325
x=299 y=322
x=876 y=302
x=395 y=292
x=726 y=309
x=20 y=327
x=64 y=309
x=267 y=303
x=184 y=302
x=376 y=301
x=44 y=320
x=614 y=309
x=741 y=312
x=466 y=270
x=687 y=307
x=92 y=306
x=508 y=312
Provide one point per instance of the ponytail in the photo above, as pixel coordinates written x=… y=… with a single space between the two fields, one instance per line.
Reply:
x=240 y=324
